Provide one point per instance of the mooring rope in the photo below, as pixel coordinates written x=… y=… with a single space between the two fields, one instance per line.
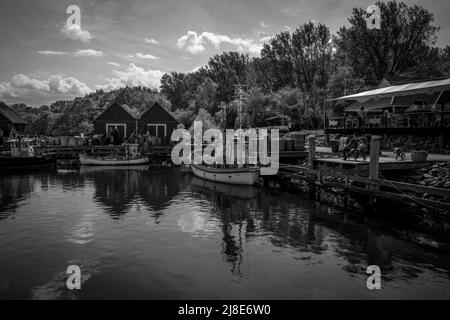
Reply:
x=411 y=197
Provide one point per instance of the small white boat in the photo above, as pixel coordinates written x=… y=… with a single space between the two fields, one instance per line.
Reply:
x=112 y=161
x=244 y=176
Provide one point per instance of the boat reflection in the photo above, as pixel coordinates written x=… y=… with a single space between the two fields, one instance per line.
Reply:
x=231 y=190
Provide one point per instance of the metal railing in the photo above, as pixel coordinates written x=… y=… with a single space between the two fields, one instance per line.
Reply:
x=410 y=120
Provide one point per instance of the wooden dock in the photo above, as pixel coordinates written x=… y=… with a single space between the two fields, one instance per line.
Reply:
x=362 y=167
x=363 y=178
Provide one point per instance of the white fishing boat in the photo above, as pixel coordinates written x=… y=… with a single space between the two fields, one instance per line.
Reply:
x=244 y=176
x=131 y=158
x=112 y=161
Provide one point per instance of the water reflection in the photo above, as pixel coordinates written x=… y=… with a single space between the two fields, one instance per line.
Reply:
x=118 y=188
x=201 y=237
x=13 y=190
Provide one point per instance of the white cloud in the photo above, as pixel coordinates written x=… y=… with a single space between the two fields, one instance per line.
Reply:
x=195 y=43
x=22 y=81
x=78 y=53
x=70 y=85
x=151 y=41
x=6 y=91
x=24 y=88
x=146 y=56
x=114 y=64
x=75 y=32
x=50 y=52
x=196 y=69
x=265 y=39
x=88 y=53
x=133 y=76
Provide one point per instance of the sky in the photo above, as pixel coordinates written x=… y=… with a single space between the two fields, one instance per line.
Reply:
x=118 y=43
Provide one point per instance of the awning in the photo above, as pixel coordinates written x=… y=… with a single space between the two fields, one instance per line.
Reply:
x=371 y=104
x=427 y=87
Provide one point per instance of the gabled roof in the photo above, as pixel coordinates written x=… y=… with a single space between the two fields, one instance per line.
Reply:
x=126 y=109
x=10 y=114
x=157 y=105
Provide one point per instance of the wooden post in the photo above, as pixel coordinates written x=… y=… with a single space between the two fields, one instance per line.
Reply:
x=374 y=168
x=312 y=176
x=312 y=150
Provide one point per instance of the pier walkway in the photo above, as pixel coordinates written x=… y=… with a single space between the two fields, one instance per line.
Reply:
x=431 y=157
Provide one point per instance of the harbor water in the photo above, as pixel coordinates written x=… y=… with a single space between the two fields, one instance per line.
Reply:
x=161 y=234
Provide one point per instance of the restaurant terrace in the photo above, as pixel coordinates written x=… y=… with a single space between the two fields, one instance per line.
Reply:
x=403 y=108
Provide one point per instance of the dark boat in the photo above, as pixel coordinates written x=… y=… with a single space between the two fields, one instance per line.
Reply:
x=23 y=158
x=26 y=163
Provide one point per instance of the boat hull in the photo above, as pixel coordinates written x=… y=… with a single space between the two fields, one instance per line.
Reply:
x=243 y=176
x=27 y=163
x=90 y=161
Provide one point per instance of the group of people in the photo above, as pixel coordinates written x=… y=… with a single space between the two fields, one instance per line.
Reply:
x=354 y=145
x=114 y=137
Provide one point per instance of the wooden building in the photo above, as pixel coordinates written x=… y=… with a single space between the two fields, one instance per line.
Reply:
x=157 y=122
x=10 y=119
x=115 y=116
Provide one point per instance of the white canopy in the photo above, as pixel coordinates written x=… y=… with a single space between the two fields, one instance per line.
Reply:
x=400 y=90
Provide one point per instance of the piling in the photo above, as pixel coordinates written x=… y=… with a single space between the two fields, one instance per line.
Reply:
x=374 y=166
x=312 y=157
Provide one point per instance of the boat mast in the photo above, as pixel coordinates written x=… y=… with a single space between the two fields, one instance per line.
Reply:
x=239 y=89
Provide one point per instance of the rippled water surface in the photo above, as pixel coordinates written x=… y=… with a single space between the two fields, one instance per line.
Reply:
x=146 y=234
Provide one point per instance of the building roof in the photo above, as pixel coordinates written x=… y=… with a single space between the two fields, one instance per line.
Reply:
x=10 y=114
x=398 y=80
x=157 y=105
x=427 y=87
x=125 y=108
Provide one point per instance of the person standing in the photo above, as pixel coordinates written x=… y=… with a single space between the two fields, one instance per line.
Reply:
x=117 y=137
x=361 y=117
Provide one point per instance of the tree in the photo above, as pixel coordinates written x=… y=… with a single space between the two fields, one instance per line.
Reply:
x=405 y=36
x=206 y=96
x=311 y=49
x=174 y=86
x=276 y=60
x=226 y=70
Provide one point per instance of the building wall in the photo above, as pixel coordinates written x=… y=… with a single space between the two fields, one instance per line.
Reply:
x=6 y=126
x=157 y=115
x=115 y=114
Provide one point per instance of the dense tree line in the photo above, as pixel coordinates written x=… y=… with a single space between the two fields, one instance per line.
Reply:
x=298 y=71
x=294 y=76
